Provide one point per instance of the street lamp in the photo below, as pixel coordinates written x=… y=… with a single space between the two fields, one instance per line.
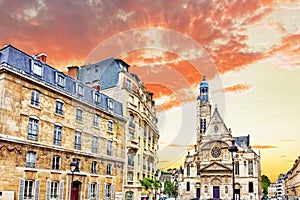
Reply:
x=233 y=149
x=74 y=165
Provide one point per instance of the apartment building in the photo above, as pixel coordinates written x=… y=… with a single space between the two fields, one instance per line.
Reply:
x=50 y=124
x=114 y=79
x=292 y=181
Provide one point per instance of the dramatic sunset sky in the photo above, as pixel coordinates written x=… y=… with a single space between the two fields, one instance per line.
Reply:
x=249 y=50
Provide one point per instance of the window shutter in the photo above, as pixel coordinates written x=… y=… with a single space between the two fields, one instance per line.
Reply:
x=48 y=188
x=21 y=189
x=104 y=193
x=89 y=191
x=61 y=190
x=112 y=191
x=97 y=192
x=37 y=190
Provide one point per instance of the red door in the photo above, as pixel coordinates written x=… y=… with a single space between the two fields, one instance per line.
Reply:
x=75 y=194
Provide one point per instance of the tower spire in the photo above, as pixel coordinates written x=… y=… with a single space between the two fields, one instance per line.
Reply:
x=203 y=96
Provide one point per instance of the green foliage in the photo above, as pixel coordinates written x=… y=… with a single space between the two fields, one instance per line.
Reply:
x=265 y=182
x=149 y=183
x=169 y=188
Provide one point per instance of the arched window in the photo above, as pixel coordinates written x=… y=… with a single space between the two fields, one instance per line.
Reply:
x=129 y=195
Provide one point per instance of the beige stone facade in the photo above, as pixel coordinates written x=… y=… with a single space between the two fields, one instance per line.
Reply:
x=292 y=182
x=141 y=128
x=43 y=128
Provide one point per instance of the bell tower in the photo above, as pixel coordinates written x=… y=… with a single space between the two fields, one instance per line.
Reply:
x=203 y=109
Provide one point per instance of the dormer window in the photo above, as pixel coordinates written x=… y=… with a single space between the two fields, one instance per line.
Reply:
x=36 y=68
x=79 y=89
x=96 y=97
x=128 y=84
x=110 y=104
x=60 y=79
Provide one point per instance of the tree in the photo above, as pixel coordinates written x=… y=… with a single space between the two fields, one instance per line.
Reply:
x=265 y=182
x=169 y=188
x=149 y=183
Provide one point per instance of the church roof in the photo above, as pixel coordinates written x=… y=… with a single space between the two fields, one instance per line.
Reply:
x=216 y=125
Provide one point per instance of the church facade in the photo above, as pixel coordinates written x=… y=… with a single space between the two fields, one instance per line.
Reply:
x=208 y=169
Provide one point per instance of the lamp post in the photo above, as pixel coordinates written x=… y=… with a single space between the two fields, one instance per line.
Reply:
x=74 y=168
x=233 y=149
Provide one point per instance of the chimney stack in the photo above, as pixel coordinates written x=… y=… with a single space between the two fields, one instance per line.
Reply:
x=73 y=71
x=42 y=57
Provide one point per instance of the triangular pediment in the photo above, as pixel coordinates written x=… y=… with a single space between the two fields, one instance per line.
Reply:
x=215 y=167
x=216 y=125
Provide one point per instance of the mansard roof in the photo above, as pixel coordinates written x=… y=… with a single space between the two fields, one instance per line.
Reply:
x=21 y=62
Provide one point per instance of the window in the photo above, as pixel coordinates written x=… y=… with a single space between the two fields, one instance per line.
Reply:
x=28 y=190
x=78 y=161
x=60 y=79
x=93 y=190
x=35 y=98
x=36 y=69
x=108 y=169
x=226 y=189
x=188 y=170
x=57 y=135
x=79 y=114
x=109 y=147
x=94 y=167
x=198 y=169
x=130 y=176
x=30 y=159
x=237 y=168
x=110 y=104
x=77 y=144
x=110 y=126
x=33 y=128
x=203 y=125
x=96 y=120
x=108 y=190
x=96 y=97
x=128 y=84
x=250 y=187
x=250 y=167
x=130 y=136
x=131 y=121
x=59 y=107
x=131 y=99
x=130 y=159
x=79 y=89
x=206 y=189
x=54 y=190
x=95 y=144
x=56 y=162
x=188 y=186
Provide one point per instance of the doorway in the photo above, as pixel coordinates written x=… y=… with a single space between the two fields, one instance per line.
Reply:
x=216 y=192
x=75 y=190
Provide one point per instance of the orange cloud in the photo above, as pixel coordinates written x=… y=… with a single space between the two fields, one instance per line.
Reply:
x=217 y=28
x=239 y=88
x=263 y=147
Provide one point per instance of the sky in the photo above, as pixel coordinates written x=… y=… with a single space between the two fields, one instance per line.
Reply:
x=249 y=51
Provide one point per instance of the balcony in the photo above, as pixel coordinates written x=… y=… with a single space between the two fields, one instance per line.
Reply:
x=133 y=145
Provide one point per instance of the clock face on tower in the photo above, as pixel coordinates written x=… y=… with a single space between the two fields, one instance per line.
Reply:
x=203 y=110
x=215 y=152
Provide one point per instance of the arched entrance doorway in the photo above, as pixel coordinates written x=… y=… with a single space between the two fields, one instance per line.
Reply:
x=129 y=195
x=75 y=190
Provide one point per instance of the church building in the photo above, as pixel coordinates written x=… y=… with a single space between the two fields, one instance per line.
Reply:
x=208 y=170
